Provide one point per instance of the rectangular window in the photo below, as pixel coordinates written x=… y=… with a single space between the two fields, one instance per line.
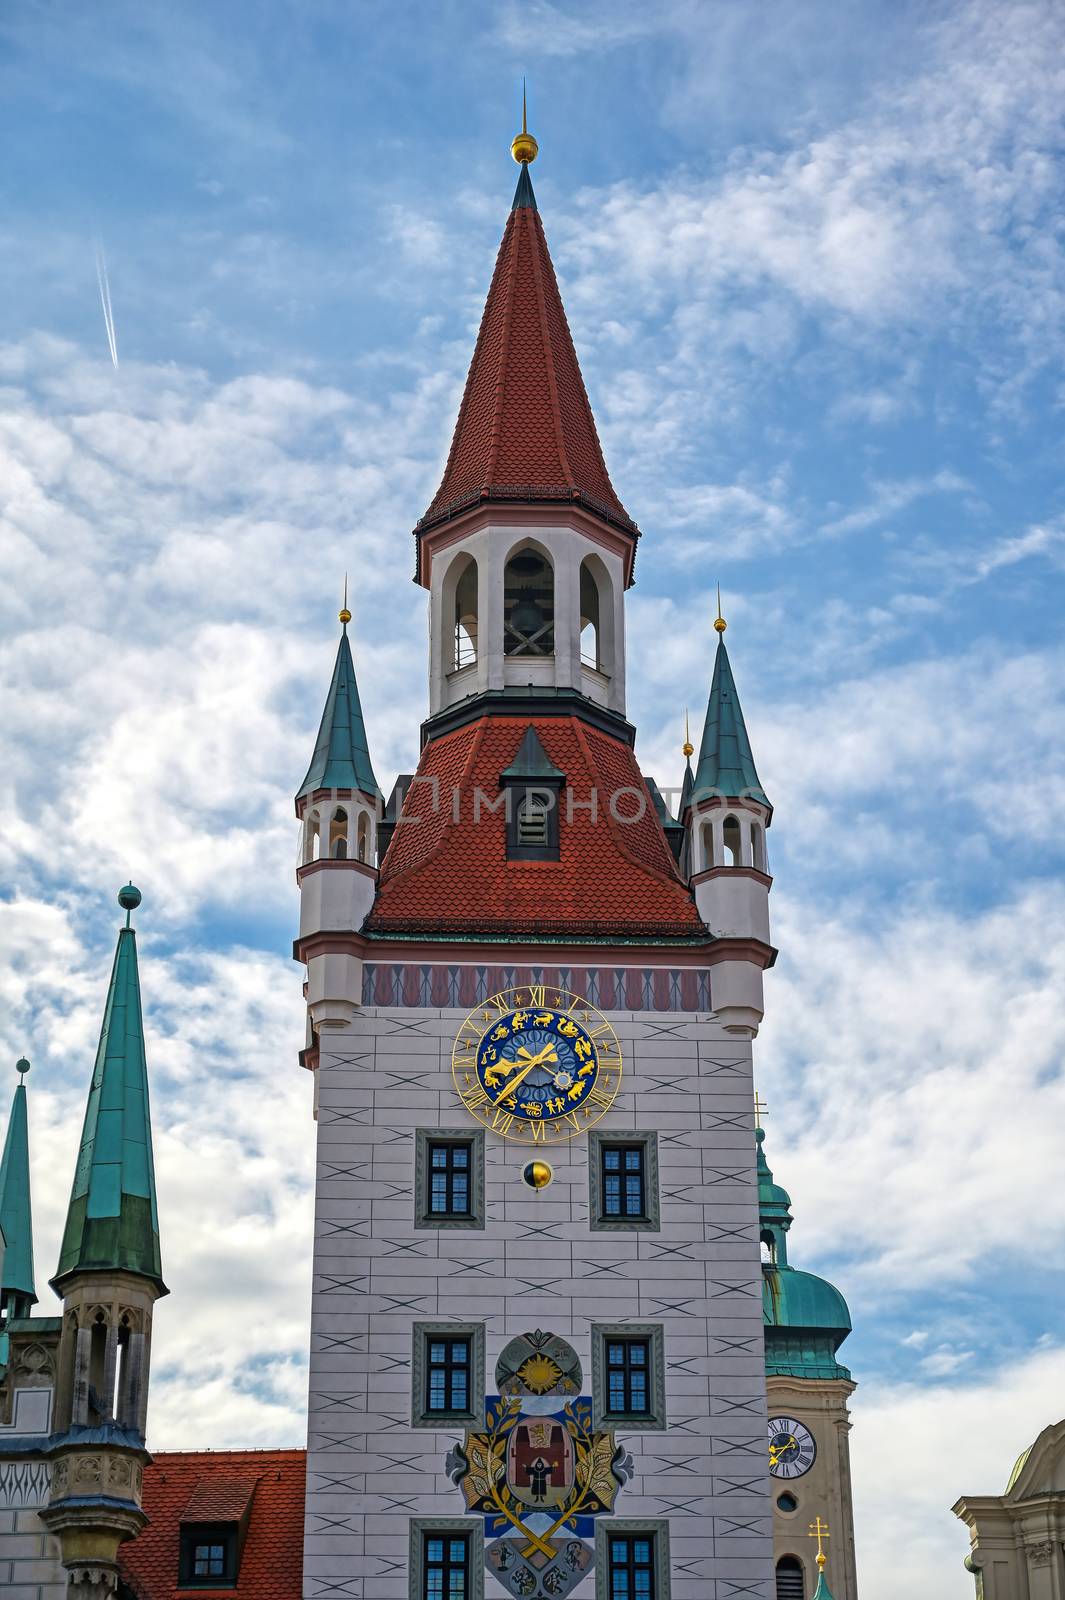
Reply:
x=623 y=1183
x=208 y=1555
x=447 y=1376
x=449 y=1178
x=624 y=1180
x=445 y=1566
x=631 y=1566
x=629 y=1375
x=627 y=1368
x=446 y=1559
x=447 y=1373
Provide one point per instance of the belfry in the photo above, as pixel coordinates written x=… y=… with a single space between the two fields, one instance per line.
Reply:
x=537 y=1325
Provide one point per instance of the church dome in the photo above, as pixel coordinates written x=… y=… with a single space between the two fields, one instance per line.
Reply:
x=792 y=1299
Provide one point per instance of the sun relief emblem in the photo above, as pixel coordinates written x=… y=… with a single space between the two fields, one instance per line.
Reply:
x=539 y=1472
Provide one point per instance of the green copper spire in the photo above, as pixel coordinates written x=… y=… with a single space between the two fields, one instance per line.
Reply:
x=806 y=1318
x=726 y=764
x=112 y=1222
x=341 y=757
x=16 y=1278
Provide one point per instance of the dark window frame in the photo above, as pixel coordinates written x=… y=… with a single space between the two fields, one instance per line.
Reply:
x=599 y=1221
x=521 y=792
x=425 y=1139
x=453 y=1364
x=650 y=1334
x=422 y=1529
x=424 y=1335
x=445 y=1565
x=195 y=1535
x=611 y=1530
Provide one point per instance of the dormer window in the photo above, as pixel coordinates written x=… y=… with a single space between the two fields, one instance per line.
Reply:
x=213 y=1527
x=208 y=1556
x=533 y=786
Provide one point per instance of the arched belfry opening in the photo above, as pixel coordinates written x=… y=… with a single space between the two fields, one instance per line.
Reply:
x=465 y=618
x=591 y=628
x=528 y=604
x=791 y=1581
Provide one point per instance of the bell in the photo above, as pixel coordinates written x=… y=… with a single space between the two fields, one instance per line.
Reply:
x=527 y=617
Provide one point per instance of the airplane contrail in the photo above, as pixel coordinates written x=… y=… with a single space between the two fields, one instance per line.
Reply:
x=105 y=301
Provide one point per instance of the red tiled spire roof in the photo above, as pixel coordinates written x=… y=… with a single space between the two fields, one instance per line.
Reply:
x=446 y=870
x=216 y=1486
x=525 y=429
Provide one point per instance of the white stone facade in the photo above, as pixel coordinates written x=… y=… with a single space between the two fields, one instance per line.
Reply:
x=535 y=1264
x=30 y=1568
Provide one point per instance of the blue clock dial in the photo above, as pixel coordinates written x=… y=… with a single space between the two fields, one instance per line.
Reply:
x=537 y=1064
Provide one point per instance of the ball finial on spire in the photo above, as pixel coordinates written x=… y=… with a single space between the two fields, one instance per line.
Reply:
x=344 y=614
x=720 y=624
x=523 y=147
x=129 y=897
x=687 y=747
x=22 y=1066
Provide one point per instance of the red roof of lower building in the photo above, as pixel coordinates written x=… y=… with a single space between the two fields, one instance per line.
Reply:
x=215 y=1486
x=446 y=870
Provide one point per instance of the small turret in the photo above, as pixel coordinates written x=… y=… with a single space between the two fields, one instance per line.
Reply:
x=339 y=807
x=726 y=814
x=17 y=1291
x=109 y=1278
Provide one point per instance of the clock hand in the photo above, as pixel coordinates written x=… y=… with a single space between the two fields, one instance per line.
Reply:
x=513 y=1084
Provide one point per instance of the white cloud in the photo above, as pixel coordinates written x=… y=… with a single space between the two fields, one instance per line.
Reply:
x=915 y=1450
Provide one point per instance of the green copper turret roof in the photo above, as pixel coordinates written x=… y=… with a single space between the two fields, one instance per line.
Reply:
x=806 y=1318
x=16 y=1276
x=341 y=758
x=726 y=764
x=822 y=1592
x=113 y=1222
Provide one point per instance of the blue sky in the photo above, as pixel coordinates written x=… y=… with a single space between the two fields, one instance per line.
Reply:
x=813 y=261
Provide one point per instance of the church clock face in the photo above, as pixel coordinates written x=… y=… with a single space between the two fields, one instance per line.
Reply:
x=792 y=1450
x=536 y=1064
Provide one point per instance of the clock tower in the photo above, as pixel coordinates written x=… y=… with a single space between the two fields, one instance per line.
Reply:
x=806 y=1321
x=536 y=1346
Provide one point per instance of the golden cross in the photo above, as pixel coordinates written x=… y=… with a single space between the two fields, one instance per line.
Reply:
x=760 y=1106
x=819 y=1531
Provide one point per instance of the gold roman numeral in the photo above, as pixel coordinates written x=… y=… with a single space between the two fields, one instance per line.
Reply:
x=537 y=998
x=501 y=1121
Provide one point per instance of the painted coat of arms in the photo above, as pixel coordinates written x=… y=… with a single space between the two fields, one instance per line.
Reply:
x=539 y=1472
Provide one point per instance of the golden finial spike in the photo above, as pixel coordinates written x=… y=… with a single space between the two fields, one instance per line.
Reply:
x=819 y=1531
x=523 y=146
x=760 y=1108
x=345 y=614
x=689 y=748
x=720 y=625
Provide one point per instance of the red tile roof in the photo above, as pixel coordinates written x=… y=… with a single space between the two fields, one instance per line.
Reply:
x=446 y=870
x=525 y=429
x=271 y=1566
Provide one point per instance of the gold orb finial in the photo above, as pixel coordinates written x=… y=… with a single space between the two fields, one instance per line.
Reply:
x=720 y=625
x=344 y=614
x=523 y=147
x=687 y=747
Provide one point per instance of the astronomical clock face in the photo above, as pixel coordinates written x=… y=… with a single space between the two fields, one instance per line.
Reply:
x=791 y=1448
x=536 y=1064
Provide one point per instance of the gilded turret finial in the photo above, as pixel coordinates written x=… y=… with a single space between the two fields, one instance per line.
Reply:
x=345 y=614
x=688 y=747
x=819 y=1531
x=720 y=625
x=523 y=146
x=760 y=1108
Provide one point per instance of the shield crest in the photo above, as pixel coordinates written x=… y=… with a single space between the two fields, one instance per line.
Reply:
x=539 y=1472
